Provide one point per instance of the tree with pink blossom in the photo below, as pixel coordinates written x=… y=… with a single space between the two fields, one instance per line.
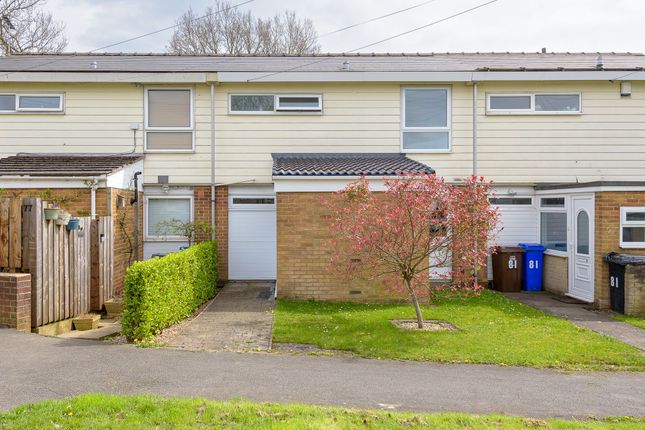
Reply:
x=412 y=231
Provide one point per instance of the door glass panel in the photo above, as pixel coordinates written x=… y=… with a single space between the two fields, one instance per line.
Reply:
x=582 y=233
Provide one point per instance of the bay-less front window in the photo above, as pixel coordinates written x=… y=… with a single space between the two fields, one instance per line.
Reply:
x=553 y=223
x=425 y=122
x=274 y=103
x=632 y=227
x=537 y=103
x=169 y=120
x=31 y=103
x=163 y=213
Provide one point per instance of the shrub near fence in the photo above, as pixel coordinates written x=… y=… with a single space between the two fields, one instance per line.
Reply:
x=162 y=291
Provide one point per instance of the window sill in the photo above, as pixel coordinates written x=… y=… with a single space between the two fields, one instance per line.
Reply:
x=503 y=113
x=555 y=253
x=169 y=151
x=636 y=245
x=426 y=151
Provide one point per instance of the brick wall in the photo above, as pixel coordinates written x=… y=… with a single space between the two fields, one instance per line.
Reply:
x=556 y=274
x=15 y=301
x=304 y=254
x=124 y=233
x=202 y=202
x=635 y=291
x=80 y=203
x=607 y=219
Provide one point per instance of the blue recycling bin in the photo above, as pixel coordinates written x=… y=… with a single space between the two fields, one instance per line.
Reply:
x=532 y=266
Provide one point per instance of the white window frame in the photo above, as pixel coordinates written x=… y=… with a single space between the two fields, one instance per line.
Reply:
x=150 y=238
x=625 y=223
x=18 y=109
x=276 y=109
x=531 y=110
x=147 y=128
x=254 y=207
x=565 y=210
x=511 y=205
x=447 y=128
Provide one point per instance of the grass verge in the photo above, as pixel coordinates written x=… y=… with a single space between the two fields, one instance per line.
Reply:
x=635 y=321
x=99 y=411
x=492 y=329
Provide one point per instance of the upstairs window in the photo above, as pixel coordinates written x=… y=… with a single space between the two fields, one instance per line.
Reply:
x=274 y=103
x=632 y=227
x=169 y=120
x=425 y=119
x=533 y=104
x=10 y=103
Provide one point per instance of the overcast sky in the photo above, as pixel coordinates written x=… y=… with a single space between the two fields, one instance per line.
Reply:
x=507 y=25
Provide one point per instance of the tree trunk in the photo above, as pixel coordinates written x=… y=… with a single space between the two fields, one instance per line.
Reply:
x=417 y=309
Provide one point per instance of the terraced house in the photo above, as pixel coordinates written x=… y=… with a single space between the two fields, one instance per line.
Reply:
x=251 y=143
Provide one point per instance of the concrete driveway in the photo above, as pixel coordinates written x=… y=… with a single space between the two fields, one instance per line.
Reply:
x=33 y=368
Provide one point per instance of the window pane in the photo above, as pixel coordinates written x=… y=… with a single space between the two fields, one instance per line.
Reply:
x=252 y=103
x=39 y=102
x=510 y=102
x=635 y=216
x=429 y=140
x=557 y=102
x=426 y=108
x=633 y=234
x=169 y=108
x=169 y=140
x=582 y=233
x=7 y=102
x=510 y=200
x=166 y=210
x=552 y=202
x=553 y=227
x=253 y=201
x=308 y=103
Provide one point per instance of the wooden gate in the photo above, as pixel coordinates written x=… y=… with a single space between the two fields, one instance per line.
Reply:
x=102 y=262
x=10 y=234
x=59 y=263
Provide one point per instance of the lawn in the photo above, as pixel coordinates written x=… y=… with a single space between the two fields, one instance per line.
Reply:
x=99 y=411
x=492 y=329
x=635 y=321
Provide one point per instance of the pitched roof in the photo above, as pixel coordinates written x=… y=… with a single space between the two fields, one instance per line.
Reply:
x=62 y=165
x=363 y=62
x=345 y=164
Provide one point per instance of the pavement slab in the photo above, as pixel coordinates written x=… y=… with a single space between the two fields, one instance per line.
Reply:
x=579 y=314
x=240 y=318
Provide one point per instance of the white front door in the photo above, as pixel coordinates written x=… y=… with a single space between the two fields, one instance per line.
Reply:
x=252 y=237
x=581 y=254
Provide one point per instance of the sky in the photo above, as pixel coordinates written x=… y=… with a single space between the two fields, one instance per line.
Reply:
x=506 y=25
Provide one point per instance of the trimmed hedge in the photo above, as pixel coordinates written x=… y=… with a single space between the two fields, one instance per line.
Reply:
x=162 y=291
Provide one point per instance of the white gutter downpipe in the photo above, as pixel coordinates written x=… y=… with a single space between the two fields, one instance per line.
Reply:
x=93 y=202
x=213 y=197
x=474 y=128
x=476 y=269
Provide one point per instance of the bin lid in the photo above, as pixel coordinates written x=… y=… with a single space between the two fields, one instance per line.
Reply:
x=532 y=246
x=625 y=259
x=507 y=249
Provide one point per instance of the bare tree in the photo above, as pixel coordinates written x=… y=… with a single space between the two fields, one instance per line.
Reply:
x=222 y=29
x=25 y=27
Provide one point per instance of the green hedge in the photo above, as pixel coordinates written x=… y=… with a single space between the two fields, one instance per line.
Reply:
x=162 y=291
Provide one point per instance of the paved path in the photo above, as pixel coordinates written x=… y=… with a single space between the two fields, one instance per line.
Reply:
x=34 y=367
x=239 y=319
x=578 y=314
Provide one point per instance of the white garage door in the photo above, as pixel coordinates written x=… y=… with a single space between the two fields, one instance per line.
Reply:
x=251 y=237
x=518 y=220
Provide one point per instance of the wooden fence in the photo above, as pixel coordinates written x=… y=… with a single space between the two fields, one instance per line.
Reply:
x=63 y=263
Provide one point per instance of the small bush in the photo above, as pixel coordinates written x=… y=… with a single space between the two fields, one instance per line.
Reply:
x=161 y=291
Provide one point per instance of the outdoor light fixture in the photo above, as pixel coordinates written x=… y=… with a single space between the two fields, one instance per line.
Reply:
x=625 y=89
